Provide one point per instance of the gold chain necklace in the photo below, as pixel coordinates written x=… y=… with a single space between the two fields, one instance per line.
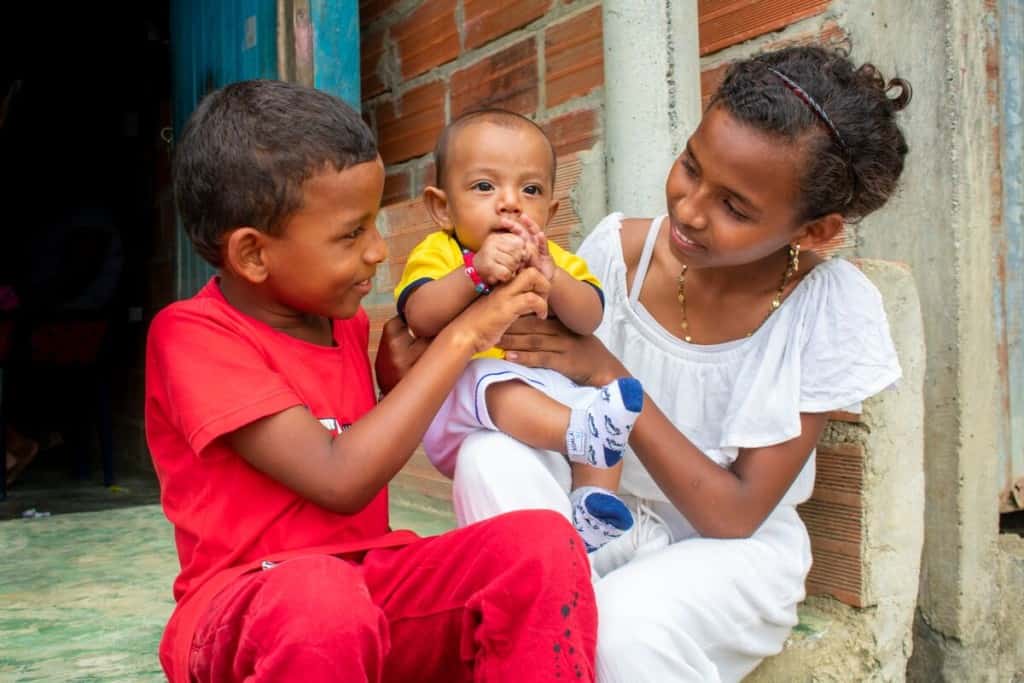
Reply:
x=791 y=267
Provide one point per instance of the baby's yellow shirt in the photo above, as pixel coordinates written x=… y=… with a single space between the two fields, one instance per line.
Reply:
x=439 y=254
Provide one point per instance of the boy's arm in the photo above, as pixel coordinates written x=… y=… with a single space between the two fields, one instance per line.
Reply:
x=344 y=473
x=574 y=302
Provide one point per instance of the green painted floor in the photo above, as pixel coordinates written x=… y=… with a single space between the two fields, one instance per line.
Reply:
x=84 y=595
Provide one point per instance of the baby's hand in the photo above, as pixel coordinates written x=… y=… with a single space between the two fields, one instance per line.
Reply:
x=500 y=257
x=537 y=254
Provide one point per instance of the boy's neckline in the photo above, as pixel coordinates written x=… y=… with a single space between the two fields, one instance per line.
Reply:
x=322 y=335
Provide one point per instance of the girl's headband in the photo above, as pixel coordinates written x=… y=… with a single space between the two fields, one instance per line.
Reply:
x=814 y=106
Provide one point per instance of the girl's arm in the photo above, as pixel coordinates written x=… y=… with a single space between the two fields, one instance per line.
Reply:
x=720 y=503
x=344 y=473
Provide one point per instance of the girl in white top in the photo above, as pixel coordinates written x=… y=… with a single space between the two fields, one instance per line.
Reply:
x=744 y=339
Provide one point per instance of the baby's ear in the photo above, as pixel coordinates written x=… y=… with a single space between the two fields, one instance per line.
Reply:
x=821 y=231
x=245 y=254
x=436 y=202
x=552 y=210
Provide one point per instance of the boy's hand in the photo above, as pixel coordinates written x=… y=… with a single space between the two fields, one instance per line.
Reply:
x=488 y=317
x=537 y=254
x=501 y=256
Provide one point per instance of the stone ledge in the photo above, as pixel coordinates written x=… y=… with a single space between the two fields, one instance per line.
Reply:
x=831 y=643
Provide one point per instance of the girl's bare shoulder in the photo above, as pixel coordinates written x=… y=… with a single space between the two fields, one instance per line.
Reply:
x=633 y=234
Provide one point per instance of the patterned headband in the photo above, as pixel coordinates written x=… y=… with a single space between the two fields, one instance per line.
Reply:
x=814 y=106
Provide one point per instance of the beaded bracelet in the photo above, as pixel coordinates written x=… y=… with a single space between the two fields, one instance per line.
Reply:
x=478 y=284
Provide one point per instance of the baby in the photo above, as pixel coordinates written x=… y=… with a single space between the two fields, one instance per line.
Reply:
x=492 y=202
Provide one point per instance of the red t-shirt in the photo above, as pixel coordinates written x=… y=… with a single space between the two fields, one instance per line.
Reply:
x=210 y=370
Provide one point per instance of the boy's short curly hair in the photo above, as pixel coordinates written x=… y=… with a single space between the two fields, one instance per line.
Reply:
x=248 y=148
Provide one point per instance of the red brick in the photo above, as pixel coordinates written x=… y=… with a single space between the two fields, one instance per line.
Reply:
x=397 y=187
x=566 y=222
x=485 y=20
x=572 y=132
x=573 y=51
x=829 y=35
x=407 y=223
x=371 y=51
x=409 y=125
x=372 y=10
x=507 y=79
x=726 y=22
x=710 y=79
x=427 y=38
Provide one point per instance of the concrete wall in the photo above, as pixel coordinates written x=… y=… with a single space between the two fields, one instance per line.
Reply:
x=835 y=642
x=942 y=225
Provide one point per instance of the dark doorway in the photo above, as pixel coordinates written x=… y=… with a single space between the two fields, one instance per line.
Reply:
x=86 y=241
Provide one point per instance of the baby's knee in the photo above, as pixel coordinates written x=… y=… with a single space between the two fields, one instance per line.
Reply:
x=486 y=458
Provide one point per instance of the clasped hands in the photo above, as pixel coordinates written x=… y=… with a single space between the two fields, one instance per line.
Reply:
x=520 y=244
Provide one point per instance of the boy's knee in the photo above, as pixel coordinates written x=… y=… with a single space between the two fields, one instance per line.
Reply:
x=321 y=600
x=544 y=534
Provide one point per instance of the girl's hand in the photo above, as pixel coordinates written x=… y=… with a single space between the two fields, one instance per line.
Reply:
x=488 y=317
x=501 y=256
x=397 y=352
x=537 y=254
x=548 y=344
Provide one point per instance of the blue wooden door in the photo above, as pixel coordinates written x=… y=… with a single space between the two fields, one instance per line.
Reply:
x=216 y=42
x=213 y=43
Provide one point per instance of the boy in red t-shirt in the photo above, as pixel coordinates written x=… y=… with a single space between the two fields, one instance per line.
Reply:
x=273 y=459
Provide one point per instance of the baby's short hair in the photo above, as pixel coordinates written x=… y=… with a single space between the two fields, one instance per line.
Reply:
x=499 y=117
x=248 y=148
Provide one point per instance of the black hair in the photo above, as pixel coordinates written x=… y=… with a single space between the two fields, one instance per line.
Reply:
x=248 y=148
x=853 y=146
x=499 y=117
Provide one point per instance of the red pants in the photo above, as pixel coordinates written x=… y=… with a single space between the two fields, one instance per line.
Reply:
x=507 y=599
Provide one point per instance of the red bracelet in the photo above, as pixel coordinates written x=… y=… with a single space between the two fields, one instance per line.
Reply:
x=478 y=284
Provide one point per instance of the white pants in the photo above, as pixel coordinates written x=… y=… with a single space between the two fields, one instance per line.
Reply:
x=464 y=411
x=672 y=606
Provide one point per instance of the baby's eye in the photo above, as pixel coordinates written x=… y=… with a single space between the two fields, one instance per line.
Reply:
x=354 y=234
x=533 y=189
x=483 y=186
x=688 y=166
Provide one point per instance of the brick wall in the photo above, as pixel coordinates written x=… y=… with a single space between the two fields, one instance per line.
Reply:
x=426 y=61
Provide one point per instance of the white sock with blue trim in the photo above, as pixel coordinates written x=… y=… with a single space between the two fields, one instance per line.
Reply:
x=597 y=434
x=599 y=515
